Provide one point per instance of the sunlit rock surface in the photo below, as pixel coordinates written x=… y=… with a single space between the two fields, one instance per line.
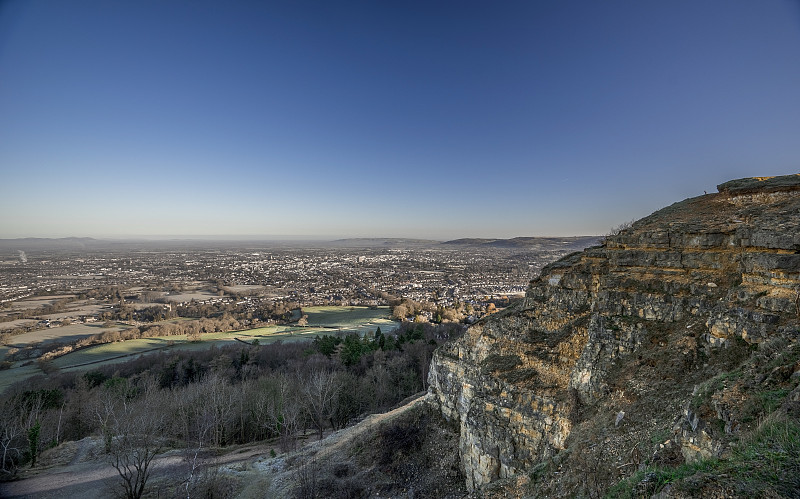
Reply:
x=720 y=268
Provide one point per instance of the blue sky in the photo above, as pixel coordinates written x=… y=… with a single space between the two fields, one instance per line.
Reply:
x=386 y=119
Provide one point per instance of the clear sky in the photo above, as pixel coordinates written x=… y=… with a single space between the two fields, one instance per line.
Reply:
x=385 y=118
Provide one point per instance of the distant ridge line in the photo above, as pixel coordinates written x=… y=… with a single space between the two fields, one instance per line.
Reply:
x=90 y=243
x=521 y=242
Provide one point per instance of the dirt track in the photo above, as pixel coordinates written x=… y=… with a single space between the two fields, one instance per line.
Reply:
x=81 y=470
x=336 y=440
x=89 y=477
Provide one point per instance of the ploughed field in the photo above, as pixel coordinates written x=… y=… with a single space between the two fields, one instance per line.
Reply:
x=320 y=321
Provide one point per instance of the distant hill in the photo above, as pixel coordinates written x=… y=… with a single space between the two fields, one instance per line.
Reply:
x=470 y=241
x=46 y=243
x=542 y=243
x=375 y=242
x=89 y=243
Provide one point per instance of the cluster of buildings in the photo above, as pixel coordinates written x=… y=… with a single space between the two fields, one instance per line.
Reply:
x=443 y=276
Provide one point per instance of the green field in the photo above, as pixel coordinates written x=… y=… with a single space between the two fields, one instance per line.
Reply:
x=321 y=320
x=111 y=353
x=10 y=376
x=359 y=319
x=64 y=334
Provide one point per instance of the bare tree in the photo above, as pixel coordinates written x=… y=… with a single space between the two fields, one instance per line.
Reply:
x=195 y=425
x=20 y=429
x=380 y=380
x=319 y=394
x=215 y=407
x=277 y=409
x=131 y=458
x=11 y=430
x=137 y=430
x=103 y=412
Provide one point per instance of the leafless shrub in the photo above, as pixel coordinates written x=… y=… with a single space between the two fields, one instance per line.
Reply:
x=596 y=474
x=619 y=229
x=47 y=366
x=307 y=481
x=210 y=483
x=401 y=438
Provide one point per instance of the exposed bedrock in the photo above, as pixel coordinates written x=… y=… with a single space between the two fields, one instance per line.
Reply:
x=726 y=264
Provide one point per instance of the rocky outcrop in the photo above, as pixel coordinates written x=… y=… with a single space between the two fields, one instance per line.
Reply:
x=695 y=277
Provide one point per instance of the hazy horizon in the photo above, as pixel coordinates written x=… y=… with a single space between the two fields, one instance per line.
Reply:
x=372 y=119
x=276 y=238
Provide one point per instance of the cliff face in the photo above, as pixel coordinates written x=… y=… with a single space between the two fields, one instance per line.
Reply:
x=616 y=342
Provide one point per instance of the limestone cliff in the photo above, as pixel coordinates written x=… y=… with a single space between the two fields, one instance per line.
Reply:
x=613 y=361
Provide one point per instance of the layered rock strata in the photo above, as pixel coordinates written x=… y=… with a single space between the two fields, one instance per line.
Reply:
x=727 y=264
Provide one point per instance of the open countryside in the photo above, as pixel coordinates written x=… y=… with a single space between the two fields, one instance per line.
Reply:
x=77 y=305
x=322 y=320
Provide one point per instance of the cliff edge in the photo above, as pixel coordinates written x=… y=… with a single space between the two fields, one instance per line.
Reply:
x=663 y=362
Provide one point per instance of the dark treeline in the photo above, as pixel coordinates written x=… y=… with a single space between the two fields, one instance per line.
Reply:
x=221 y=395
x=264 y=310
